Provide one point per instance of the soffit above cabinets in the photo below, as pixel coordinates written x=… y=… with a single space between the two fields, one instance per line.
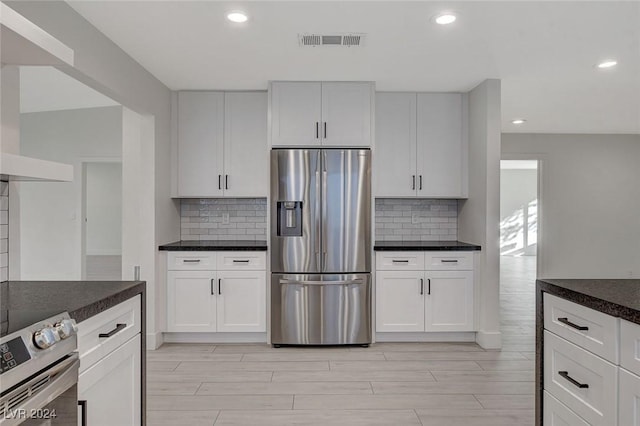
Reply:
x=20 y=168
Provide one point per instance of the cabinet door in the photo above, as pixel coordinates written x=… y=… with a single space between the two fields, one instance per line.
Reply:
x=346 y=114
x=295 y=113
x=112 y=387
x=246 y=155
x=200 y=144
x=440 y=147
x=395 y=155
x=629 y=394
x=241 y=301
x=400 y=301
x=191 y=301
x=449 y=301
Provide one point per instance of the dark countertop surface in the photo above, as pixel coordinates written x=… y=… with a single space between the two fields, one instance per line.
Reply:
x=215 y=245
x=424 y=246
x=620 y=298
x=23 y=303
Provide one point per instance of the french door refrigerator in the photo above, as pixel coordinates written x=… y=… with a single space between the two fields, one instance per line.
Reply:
x=320 y=246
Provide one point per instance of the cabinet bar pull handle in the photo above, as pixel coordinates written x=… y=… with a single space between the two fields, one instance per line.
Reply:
x=317 y=130
x=119 y=328
x=399 y=261
x=570 y=324
x=83 y=407
x=573 y=381
x=429 y=286
x=420 y=182
x=219 y=285
x=413 y=182
x=449 y=261
x=240 y=261
x=212 y=291
x=219 y=181
x=226 y=181
x=325 y=129
x=191 y=260
x=421 y=286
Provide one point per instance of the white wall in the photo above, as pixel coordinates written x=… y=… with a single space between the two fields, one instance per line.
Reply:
x=590 y=203
x=518 y=190
x=104 y=208
x=51 y=212
x=479 y=215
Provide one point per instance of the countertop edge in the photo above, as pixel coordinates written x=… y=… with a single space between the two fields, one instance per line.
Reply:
x=110 y=301
x=426 y=246
x=212 y=246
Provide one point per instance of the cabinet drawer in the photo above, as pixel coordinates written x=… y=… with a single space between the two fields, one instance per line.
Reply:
x=585 y=383
x=569 y=320
x=191 y=261
x=629 y=404
x=447 y=261
x=116 y=325
x=630 y=346
x=557 y=414
x=232 y=260
x=400 y=260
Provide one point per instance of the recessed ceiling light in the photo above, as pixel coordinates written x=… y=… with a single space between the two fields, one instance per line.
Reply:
x=608 y=63
x=518 y=121
x=445 y=19
x=237 y=16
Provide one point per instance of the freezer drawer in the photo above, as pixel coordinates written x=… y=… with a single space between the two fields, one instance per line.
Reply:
x=320 y=309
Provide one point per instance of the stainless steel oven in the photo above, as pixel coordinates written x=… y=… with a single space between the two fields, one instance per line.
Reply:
x=39 y=374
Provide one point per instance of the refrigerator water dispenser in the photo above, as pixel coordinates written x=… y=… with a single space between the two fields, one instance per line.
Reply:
x=290 y=218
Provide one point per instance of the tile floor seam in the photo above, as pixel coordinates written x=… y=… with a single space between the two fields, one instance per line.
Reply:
x=476 y=398
x=418 y=417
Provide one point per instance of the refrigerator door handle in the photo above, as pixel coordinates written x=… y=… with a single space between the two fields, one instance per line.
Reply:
x=324 y=210
x=318 y=223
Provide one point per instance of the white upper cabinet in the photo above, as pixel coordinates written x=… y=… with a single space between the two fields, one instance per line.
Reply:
x=421 y=147
x=222 y=144
x=246 y=155
x=440 y=146
x=315 y=113
x=200 y=144
x=395 y=156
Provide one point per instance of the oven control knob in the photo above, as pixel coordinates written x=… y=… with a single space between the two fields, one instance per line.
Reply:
x=66 y=328
x=45 y=338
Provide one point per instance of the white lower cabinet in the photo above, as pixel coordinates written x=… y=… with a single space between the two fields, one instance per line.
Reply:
x=410 y=298
x=557 y=414
x=111 y=388
x=629 y=404
x=228 y=297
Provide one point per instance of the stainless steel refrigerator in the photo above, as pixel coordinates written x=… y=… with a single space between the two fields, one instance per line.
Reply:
x=320 y=246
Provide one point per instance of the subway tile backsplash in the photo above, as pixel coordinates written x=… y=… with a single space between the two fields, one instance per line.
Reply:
x=203 y=219
x=400 y=219
x=4 y=231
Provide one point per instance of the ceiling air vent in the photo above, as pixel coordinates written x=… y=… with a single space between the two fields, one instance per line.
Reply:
x=348 y=40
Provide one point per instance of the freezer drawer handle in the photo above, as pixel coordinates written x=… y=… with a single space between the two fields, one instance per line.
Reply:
x=345 y=282
x=449 y=261
x=119 y=328
x=570 y=324
x=240 y=261
x=191 y=260
x=399 y=261
x=573 y=381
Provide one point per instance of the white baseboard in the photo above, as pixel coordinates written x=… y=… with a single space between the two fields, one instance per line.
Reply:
x=427 y=337
x=154 y=340
x=215 y=337
x=489 y=339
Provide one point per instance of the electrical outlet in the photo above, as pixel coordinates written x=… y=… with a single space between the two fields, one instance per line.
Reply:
x=225 y=218
x=415 y=218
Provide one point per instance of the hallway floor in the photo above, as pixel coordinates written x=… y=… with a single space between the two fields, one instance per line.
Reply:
x=429 y=384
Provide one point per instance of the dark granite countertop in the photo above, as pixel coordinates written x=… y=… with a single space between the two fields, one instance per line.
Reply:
x=215 y=245
x=619 y=298
x=24 y=302
x=424 y=246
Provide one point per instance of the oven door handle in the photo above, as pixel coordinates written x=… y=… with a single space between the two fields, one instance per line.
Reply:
x=62 y=377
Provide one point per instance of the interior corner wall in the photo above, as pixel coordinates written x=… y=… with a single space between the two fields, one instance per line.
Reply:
x=479 y=215
x=589 y=203
x=102 y=65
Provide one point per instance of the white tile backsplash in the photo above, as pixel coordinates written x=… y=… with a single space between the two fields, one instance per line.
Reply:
x=403 y=219
x=4 y=231
x=203 y=219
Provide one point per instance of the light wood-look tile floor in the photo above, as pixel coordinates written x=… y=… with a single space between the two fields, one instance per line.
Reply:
x=429 y=384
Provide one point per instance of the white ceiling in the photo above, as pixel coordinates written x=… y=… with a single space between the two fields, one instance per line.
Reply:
x=544 y=52
x=47 y=89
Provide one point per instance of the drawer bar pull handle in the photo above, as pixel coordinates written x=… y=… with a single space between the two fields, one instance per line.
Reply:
x=399 y=261
x=449 y=261
x=573 y=381
x=240 y=261
x=119 y=328
x=191 y=260
x=570 y=324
